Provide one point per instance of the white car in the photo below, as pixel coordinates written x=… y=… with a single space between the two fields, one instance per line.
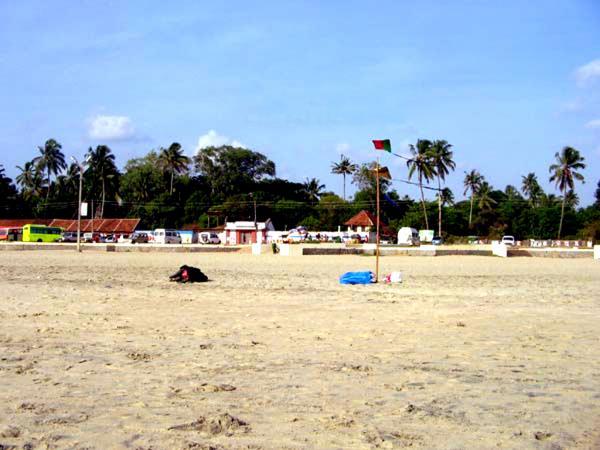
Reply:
x=508 y=240
x=208 y=238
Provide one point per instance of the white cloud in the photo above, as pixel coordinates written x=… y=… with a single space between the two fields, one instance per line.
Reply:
x=214 y=139
x=595 y=124
x=588 y=72
x=573 y=106
x=342 y=147
x=115 y=128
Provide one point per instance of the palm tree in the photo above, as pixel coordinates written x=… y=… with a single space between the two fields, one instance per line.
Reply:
x=472 y=182
x=484 y=200
x=564 y=173
x=447 y=196
x=102 y=165
x=344 y=167
x=51 y=159
x=313 y=189
x=572 y=199
x=511 y=192
x=173 y=160
x=441 y=159
x=30 y=179
x=531 y=188
x=422 y=164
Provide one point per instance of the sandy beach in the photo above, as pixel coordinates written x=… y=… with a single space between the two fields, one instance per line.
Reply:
x=100 y=351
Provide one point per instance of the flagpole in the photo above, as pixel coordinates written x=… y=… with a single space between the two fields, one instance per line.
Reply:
x=377 y=239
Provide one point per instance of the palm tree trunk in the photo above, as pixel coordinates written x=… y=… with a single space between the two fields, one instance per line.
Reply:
x=171 y=182
x=423 y=202
x=103 y=196
x=471 y=210
x=562 y=213
x=439 y=207
x=344 y=189
x=48 y=190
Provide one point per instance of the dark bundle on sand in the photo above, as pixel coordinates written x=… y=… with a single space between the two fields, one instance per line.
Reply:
x=188 y=274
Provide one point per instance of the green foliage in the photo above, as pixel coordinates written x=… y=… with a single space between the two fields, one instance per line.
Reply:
x=366 y=180
x=160 y=189
x=232 y=169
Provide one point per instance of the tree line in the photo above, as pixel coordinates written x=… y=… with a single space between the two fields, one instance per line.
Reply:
x=165 y=188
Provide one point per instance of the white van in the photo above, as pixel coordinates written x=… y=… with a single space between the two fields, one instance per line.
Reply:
x=408 y=236
x=164 y=236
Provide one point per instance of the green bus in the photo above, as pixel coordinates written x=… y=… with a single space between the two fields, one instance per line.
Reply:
x=41 y=233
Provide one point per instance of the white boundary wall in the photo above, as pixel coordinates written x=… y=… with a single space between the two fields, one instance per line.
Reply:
x=499 y=249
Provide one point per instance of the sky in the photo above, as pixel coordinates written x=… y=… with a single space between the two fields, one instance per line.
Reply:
x=508 y=84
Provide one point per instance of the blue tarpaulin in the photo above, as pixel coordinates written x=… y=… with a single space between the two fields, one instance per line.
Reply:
x=357 y=278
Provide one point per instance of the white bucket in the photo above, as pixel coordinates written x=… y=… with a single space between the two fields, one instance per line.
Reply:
x=396 y=277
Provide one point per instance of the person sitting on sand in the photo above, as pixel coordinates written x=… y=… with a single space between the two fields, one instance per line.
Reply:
x=188 y=274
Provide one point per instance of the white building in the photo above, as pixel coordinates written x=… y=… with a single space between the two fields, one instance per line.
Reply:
x=246 y=232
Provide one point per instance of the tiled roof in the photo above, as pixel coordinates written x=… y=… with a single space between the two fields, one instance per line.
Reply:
x=362 y=219
x=366 y=219
x=19 y=223
x=100 y=225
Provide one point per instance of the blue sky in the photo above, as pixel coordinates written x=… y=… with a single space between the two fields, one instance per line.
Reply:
x=507 y=83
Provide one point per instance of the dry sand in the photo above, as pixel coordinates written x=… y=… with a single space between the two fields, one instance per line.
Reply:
x=100 y=351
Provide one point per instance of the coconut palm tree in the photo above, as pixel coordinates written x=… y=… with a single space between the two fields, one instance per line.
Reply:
x=172 y=160
x=51 y=160
x=484 y=200
x=572 y=199
x=30 y=179
x=564 y=173
x=421 y=163
x=447 y=196
x=102 y=166
x=313 y=189
x=472 y=182
x=511 y=192
x=344 y=167
x=531 y=188
x=441 y=159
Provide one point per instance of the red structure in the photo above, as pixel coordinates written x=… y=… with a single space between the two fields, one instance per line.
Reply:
x=366 y=221
x=20 y=223
x=106 y=226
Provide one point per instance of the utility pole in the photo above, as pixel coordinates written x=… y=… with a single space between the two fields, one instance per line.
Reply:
x=79 y=210
x=79 y=202
x=377 y=241
x=255 y=224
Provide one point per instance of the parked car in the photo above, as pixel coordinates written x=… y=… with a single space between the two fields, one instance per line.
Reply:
x=94 y=237
x=437 y=240
x=165 y=236
x=111 y=238
x=139 y=238
x=295 y=237
x=207 y=237
x=69 y=236
x=508 y=240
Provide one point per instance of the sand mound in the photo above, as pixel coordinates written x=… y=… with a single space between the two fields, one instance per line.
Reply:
x=220 y=424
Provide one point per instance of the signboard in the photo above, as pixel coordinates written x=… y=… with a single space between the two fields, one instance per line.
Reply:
x=426 y=235
x=84 y=207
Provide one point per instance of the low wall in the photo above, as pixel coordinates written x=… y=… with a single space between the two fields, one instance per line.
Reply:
x=551 y=253
x=169 y=249
x=336 y=251
x=142 y=248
